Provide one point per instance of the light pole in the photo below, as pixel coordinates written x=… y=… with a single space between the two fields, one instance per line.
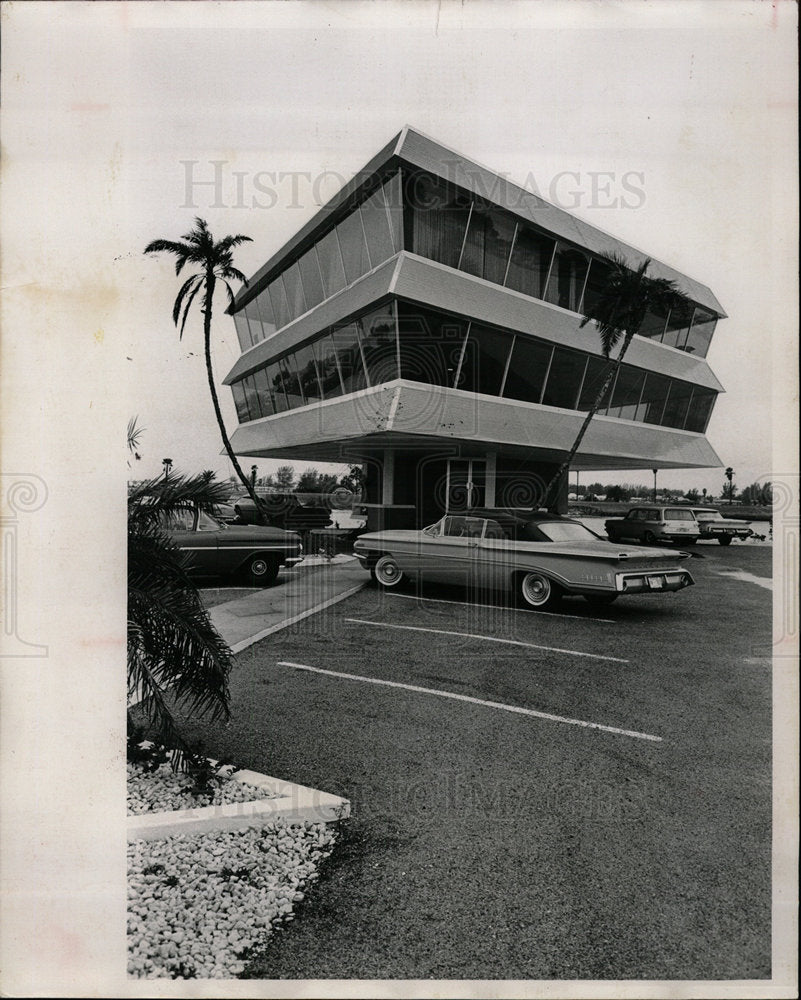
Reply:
x=167 y=463
x=654 y=472
x=253 y=470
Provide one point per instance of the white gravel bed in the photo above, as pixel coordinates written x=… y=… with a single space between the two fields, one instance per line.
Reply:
x=199 y=906
x=164 y=790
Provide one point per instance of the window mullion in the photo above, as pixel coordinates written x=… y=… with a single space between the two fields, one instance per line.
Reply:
x=461 y=357
x=550 y=269
x=508 y=363
x=464 y=238
x=583 y=380
x=511 y=251
x=547 y=374
x=584 y=286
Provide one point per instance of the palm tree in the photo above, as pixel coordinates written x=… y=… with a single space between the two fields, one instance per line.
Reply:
x=730 y=476
x=619 y=311
x=215 y=262
x=174 y=651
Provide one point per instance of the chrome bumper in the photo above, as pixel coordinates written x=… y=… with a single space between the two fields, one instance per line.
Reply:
x=658 y=582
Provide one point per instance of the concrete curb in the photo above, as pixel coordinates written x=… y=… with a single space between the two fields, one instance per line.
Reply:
x=293 y=804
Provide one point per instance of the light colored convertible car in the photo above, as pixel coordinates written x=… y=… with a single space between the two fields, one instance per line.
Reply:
x=539 y=557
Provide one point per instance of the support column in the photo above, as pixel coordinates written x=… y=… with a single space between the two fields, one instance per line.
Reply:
x=388 y=477
x=489 y=488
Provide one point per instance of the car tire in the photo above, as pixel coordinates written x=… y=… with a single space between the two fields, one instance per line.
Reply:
x=688 y=541
x=725 y=540
x=649 y=538
x=387 y=573
x=260 y=571
x=600 y=600
x=535 y=590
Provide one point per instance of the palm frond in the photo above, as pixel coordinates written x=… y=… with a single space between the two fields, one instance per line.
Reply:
x=155 y=501
x=175 y=655
x=134 y=434
x=189 y=301
x=167 y=246
x=229 y=242
x=234 y=273
x=185 y=288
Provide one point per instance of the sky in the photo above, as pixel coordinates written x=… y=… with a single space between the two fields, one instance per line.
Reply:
x=665 y=124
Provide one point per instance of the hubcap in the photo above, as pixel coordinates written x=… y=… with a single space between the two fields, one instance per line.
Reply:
x=388 y=572
x=536 y=589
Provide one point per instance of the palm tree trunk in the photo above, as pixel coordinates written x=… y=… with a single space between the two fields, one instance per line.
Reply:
x=614 y=365
x=210 y=282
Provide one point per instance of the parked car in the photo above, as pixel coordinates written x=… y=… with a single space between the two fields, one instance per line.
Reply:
x=219 y=549
x=713 y=525
x=539 y=557
x=655 y=523
x=282 y=510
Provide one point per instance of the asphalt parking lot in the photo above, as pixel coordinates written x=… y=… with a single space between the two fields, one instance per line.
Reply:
x=574 y=795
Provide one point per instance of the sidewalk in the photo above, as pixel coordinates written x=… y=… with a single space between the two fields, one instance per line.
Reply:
x=299 y=592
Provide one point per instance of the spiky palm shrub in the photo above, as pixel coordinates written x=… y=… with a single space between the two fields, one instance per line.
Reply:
x=619 y=312
x=176 y=658
x=215 y=263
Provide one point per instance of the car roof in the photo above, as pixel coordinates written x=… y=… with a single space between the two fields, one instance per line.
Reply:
x=528 y=516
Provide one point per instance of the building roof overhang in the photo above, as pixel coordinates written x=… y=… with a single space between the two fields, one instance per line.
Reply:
x=416 y=150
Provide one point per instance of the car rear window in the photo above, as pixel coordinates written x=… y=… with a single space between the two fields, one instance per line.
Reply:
x=679 y=515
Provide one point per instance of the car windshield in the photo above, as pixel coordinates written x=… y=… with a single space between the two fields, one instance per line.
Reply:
x=708 y=515
x=565 y=531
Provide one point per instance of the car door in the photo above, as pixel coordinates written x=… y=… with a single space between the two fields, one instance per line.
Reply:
x=495 y=557
x=449 y=556
x=197 y=534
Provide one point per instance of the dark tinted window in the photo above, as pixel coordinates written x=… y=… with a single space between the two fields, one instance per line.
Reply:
x=326 y=356
x=310 y=277
x=566 y=282
x=436 y=219
x=294 y=291
x=527 y=369
x=488 y=243
x=484 y=363
x=700 y=410
x=379 y=345
x=678 y=403
x=353 y=247
x=263 y=392
x=240 y=402
x=346 y=339
x=531 y=258
x=626 y=396
x=564 y=379
x=594 y=376
x=376 y=228
x=430 y=345
x=654 y=394
x=330 y=260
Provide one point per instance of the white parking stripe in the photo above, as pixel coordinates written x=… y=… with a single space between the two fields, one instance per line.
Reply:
x=528 y=611
x=488 y=638
x=474 y=701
